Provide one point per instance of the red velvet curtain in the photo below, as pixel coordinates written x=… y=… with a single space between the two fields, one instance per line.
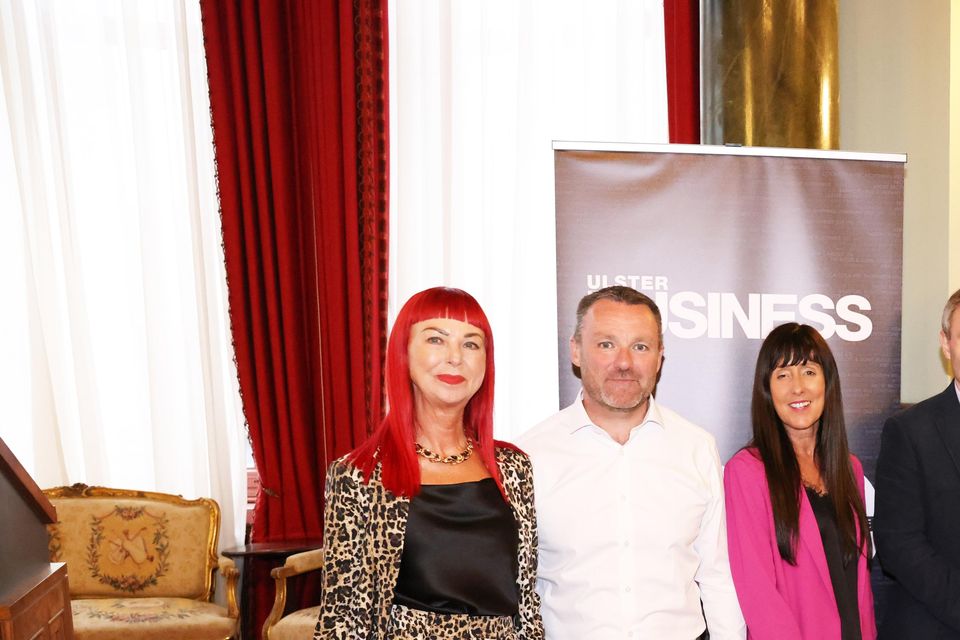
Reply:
x=298 y=95
x=681 y=19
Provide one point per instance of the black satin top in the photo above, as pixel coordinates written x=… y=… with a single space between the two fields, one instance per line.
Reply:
x=460 y=551
x=842 y=576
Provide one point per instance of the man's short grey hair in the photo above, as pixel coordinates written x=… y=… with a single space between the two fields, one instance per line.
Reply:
x=616 y=293
x=948 y=310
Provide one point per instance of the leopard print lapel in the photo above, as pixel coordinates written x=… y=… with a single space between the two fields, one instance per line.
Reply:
x=517 y=475
x=385 y=530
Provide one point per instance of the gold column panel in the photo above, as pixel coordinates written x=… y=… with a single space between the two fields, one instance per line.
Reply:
x=770 y=73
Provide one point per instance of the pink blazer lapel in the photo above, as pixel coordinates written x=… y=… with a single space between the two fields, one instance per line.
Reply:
x=811 y=541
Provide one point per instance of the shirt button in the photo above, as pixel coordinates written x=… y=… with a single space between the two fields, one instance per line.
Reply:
x=626 y=589
x=623 y=497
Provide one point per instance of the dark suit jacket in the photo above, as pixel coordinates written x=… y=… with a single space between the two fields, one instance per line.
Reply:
x=917 y=520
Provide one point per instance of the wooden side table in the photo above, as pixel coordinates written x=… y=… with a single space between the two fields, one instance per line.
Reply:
x=37 y=606
x=254 y=560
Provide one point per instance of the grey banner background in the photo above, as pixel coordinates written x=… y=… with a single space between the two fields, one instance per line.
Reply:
x=739 y=224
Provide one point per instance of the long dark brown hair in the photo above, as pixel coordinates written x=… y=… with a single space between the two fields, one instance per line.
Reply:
x=796 y=344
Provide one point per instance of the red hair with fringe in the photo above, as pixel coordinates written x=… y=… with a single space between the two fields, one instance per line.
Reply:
x=391 y=444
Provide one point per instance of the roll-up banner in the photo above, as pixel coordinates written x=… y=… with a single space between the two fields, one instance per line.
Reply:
x=731 y=242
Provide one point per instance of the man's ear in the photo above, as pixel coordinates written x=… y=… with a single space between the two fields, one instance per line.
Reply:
x=945 y=345
x=574 y=352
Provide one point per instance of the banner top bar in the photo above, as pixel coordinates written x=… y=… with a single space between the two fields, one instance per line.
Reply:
x=716 y=150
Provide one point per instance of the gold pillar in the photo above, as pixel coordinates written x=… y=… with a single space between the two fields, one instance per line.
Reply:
x=770 y=73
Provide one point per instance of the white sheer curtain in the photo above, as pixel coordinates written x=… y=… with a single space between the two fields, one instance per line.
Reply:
x=115 y=360
x=478 y=92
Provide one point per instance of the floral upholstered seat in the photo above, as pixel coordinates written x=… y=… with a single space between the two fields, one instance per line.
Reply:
x=300 y=624
x=140 y=564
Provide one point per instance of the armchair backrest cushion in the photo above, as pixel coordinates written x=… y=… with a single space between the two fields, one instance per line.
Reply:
x=120 y=543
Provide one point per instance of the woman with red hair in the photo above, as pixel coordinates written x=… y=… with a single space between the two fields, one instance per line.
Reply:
x=429 y=527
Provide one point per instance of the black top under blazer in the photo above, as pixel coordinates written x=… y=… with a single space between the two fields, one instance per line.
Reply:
x=363 y=537
x=917 y=521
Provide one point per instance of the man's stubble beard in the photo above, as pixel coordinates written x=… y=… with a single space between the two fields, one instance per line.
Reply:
x=641 y=401
x=600 y=397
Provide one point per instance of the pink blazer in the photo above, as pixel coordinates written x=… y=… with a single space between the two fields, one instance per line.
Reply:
x=780 y=601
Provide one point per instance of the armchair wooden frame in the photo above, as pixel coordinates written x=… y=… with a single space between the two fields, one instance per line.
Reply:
x=294 y=565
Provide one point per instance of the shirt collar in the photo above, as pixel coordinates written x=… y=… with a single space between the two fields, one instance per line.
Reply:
x=580 y=420
x=956 y=387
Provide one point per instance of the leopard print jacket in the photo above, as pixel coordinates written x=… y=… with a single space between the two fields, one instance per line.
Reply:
x=363 y=541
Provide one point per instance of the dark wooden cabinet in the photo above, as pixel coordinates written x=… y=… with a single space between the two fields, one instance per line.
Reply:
x=37 y=607
x=34 y=593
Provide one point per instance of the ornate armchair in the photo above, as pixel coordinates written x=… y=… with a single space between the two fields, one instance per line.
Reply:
x=299 y=625
x=141 y=564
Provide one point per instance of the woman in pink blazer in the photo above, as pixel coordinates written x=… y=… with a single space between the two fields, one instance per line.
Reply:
x=796 y=524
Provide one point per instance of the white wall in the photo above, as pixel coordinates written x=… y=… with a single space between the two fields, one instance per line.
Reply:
x=895 y=96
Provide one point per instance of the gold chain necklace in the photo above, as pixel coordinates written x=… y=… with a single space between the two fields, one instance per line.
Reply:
x=456 y=458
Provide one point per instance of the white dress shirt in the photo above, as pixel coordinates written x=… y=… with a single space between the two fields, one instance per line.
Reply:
x=633 y=536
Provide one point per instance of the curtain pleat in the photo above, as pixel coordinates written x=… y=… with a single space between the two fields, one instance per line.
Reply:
x=298 y=93
x=681 y=21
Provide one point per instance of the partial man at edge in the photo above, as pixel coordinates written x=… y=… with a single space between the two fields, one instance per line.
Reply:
x=917 y=522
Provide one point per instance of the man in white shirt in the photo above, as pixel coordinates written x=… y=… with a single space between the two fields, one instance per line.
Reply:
x=629 y=495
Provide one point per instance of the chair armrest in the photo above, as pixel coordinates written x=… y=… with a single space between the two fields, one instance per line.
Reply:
x=299 y=563
x=294 y=565
x=228 y=569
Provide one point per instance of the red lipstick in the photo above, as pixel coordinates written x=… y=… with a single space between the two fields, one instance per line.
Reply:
x=450 y=378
